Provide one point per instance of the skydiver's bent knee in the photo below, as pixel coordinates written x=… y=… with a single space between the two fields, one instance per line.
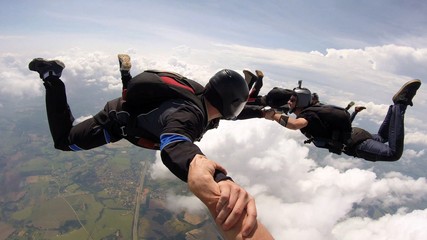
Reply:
x=372 y=150
x=84 y=136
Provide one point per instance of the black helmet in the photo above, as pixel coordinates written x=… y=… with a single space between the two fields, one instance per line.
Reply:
x=303 y=96
x=228 y=92
x=278 y=97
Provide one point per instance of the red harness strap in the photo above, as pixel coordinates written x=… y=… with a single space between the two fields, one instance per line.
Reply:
x=173 y=82
x=124 y=91
x=145 y=143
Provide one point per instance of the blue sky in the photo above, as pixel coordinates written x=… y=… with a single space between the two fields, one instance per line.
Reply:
x=298 y=25
x=345 y=50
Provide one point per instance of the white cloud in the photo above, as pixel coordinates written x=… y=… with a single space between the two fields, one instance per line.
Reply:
x=401 y=226
x=178 y=203
x=298 y=196
x=15 y=78
x=409 y=153
x=416 y=138
x=397 y=189
x=81 y=119
x=159 y=171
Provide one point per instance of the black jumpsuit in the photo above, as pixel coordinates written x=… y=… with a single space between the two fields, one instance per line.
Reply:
x=172 y=127
x=386 y=145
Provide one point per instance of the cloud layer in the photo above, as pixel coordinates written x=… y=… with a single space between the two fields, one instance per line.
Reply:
x=297 y=198
x=301 y=192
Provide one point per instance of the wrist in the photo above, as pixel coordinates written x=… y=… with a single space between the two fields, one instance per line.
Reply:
x=220 y=176
x=283 y=120
x=276 y=117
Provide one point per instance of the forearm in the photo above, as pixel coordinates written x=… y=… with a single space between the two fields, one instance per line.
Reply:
x=283 y=120
x=177 y=157
x=286 y=121
x=251 y=111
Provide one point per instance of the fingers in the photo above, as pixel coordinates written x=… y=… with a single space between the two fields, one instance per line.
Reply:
x=227 y=204
x=223 y=199
x=251 y=219
x=235 y=210
x=231 y=205
x=203 y=164
x=201 y=181
x=234 y=204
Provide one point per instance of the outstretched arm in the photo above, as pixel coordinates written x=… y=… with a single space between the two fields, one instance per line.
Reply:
x=285 y=120
x=231 y=206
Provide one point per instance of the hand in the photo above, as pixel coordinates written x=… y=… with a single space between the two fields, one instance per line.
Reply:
x=201 y=182
x=269 y=114
x=228 y=203
x=231 y=207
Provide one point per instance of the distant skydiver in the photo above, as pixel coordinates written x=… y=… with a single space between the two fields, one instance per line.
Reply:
x=277 y=98
x=330 y=127
x=170 y=125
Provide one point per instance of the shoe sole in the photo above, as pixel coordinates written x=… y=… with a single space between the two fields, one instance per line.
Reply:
x=249 y=76
x=415 y=81
x=33 y=64
x=124 y=60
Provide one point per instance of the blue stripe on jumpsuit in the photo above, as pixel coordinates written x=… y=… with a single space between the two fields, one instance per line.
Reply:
x=107 y=139
x=166 y=139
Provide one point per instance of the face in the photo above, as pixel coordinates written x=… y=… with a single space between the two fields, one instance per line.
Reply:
x=292 y=102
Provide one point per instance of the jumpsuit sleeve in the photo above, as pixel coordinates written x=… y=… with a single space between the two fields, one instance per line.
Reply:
x=180 y=130
x=251 y=111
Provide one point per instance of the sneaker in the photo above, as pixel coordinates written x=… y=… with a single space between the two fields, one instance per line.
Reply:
x=350 y=104
x=250 y=78
x=124 y=62
x=407 y=92
x=359 y=108
x=46 y=68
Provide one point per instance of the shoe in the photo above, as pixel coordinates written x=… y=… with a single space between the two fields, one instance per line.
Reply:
x=407 y=92
x=359 y=108
x=46 y=68
x=250 y=78
x=124 y=61
x=350 y=104
x=259 y=73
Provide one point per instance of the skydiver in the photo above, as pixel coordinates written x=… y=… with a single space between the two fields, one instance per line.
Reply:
x=172 y=127
x=386 y=145
x=276 y=98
